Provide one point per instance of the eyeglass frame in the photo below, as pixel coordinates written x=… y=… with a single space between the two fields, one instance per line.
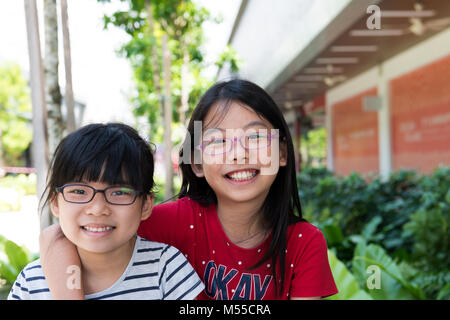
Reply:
x=234 y=139
x=61 y=190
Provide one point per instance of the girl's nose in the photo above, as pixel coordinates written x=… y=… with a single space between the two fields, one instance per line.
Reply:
x=98 y=206
x=238 y=152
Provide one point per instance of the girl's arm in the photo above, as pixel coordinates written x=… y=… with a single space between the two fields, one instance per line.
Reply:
x=60 y=264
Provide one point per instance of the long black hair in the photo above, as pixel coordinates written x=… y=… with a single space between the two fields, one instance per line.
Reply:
x=282 y=206
x=112 y=153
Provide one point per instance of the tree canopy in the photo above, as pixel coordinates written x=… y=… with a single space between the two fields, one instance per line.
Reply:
x=15 y=114
x=146 y=22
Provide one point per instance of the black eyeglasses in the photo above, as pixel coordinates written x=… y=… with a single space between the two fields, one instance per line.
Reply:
x=81 y=193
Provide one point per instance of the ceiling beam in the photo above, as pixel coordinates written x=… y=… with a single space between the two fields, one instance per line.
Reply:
x=349 y=15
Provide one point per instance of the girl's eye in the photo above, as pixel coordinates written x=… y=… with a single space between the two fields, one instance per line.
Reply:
x=122 y=192
x=256 y=136
x=218 y=141
x=77 y=191
x=215 y=141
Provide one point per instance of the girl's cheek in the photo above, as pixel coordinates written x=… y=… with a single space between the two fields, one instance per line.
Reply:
x=210 y=160
x=263 y=157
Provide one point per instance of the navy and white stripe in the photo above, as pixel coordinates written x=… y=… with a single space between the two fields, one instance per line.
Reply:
x=30 y=284
x=156 y=271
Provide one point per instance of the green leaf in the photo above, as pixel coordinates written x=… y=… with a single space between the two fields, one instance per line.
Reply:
x=346 y=283
x=2 y=242
x=444 y=293
x=333 y=234
x=392 y=284
x=18 y=257
x=447 y=196
x=7 y=272
x=370 y=228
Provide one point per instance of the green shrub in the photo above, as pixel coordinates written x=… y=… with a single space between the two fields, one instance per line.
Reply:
x=23 y=183
x=406 y=215
x=13 y=258
x=9 y=199
x=13 y=188
x=346 y=282
x=392 y=283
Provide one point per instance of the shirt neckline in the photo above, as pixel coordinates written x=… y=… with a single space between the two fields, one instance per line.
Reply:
x=121 y=278
x=259 y=247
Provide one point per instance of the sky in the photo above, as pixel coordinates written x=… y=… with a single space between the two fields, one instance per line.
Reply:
x=101 y=79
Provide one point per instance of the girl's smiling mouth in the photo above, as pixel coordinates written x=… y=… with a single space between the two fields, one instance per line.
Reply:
x=97 y=229
x=242 y=176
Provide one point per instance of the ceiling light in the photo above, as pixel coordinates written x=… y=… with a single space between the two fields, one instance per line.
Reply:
x=303 y=85
x=327 y=70
x=330 y=81
x=339 y=60
x=376 y=33
x=407 y=14
x=294 y=103
x=354 y=48
x=417 y=26
x=307 y=78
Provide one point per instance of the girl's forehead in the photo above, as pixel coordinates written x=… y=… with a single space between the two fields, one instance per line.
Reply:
x=234 y=115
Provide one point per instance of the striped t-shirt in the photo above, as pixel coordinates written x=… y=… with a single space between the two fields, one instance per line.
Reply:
x=156 y=272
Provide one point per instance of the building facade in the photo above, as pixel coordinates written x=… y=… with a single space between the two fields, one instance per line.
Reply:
x=373 y=73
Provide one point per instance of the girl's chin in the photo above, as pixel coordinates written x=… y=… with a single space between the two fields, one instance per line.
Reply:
x=97 y=248
x=240 y=196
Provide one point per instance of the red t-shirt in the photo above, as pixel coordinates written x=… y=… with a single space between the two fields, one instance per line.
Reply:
x=224 y=267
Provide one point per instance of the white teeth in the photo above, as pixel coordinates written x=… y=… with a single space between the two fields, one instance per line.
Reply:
x=242 y=175
x=91 y=229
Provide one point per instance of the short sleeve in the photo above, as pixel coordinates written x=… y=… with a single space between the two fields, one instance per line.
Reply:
x=177 y=279
x=312 y=274
x=19 y=290
x=167 y=223
x=161 y=226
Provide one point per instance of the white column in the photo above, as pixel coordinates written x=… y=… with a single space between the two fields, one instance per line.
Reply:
x=329 y=128
x=384 y=125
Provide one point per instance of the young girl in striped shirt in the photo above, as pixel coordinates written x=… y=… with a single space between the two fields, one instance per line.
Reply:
x=100 y=189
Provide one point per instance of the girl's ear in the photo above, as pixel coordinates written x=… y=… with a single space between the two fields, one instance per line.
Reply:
x=198 y=170
x=54 y=205
x=283 y=153
x=147 y=206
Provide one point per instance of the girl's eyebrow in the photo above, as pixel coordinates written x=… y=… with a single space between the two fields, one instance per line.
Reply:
x=250 y=124
x=255 y=123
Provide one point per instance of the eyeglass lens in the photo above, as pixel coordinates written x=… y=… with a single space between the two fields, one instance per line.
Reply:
x=79 y=193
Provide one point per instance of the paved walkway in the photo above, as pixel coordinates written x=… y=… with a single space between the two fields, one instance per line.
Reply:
x=22 y=226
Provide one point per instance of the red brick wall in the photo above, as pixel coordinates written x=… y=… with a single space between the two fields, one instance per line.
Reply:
x=355 y=136
x=420 y=114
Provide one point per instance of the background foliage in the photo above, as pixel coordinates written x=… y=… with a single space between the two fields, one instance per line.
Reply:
x=401 y=225
x=15 y=113
x=13 y=258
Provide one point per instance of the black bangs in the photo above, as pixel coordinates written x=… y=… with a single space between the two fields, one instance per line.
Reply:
x=112 y=153
x=220 y=112
x=106 y=156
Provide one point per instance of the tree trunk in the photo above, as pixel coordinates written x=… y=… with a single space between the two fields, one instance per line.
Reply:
x=37 y=83
x=52 y=92
x=153 y=53
x=184 y=107
x=167 y=120
x=68 y=98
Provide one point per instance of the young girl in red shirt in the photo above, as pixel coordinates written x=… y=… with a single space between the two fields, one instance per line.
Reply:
x=238 y=219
